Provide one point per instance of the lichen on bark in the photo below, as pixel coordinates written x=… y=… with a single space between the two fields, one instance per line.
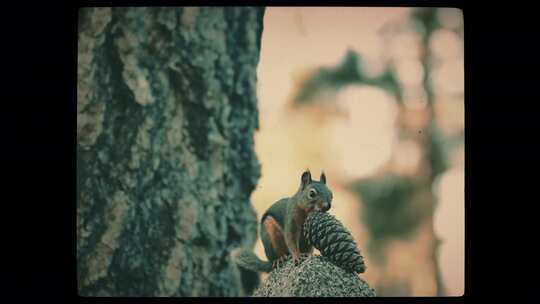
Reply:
x=166 y=111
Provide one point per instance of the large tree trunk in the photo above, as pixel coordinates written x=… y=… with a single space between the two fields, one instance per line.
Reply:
x=166 y=111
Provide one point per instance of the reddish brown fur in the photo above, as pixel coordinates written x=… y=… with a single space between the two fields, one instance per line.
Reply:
x=277 y=237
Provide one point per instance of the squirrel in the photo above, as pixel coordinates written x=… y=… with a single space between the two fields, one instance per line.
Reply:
x=282 y=224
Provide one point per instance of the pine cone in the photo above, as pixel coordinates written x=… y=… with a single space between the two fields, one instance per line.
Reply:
x=334 y=241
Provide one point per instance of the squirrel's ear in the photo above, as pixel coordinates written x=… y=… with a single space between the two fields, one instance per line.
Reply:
x=306 y=179
x=323 y=178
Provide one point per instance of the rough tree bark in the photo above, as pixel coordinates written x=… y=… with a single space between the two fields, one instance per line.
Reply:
x=166 y=111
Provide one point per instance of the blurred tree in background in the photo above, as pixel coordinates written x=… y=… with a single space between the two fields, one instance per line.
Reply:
x=166 y=111
x=398 y=202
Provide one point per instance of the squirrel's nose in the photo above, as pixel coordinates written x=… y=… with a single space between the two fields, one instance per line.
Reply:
x=326 y=206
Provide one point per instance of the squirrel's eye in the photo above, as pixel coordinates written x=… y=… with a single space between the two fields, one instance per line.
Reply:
x=312 y=193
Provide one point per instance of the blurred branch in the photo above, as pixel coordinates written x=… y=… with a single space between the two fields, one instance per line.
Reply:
x=348 y=72
x=387 y=211
x=437 y=162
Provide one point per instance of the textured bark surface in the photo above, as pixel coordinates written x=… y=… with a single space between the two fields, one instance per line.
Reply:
x=316 y=276
x=166 y=111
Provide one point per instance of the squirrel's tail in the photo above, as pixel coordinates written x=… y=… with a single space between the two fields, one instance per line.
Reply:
x=247 y=259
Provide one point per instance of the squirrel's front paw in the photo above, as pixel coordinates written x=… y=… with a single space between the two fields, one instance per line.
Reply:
x=297 y=260
x=279 y=261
